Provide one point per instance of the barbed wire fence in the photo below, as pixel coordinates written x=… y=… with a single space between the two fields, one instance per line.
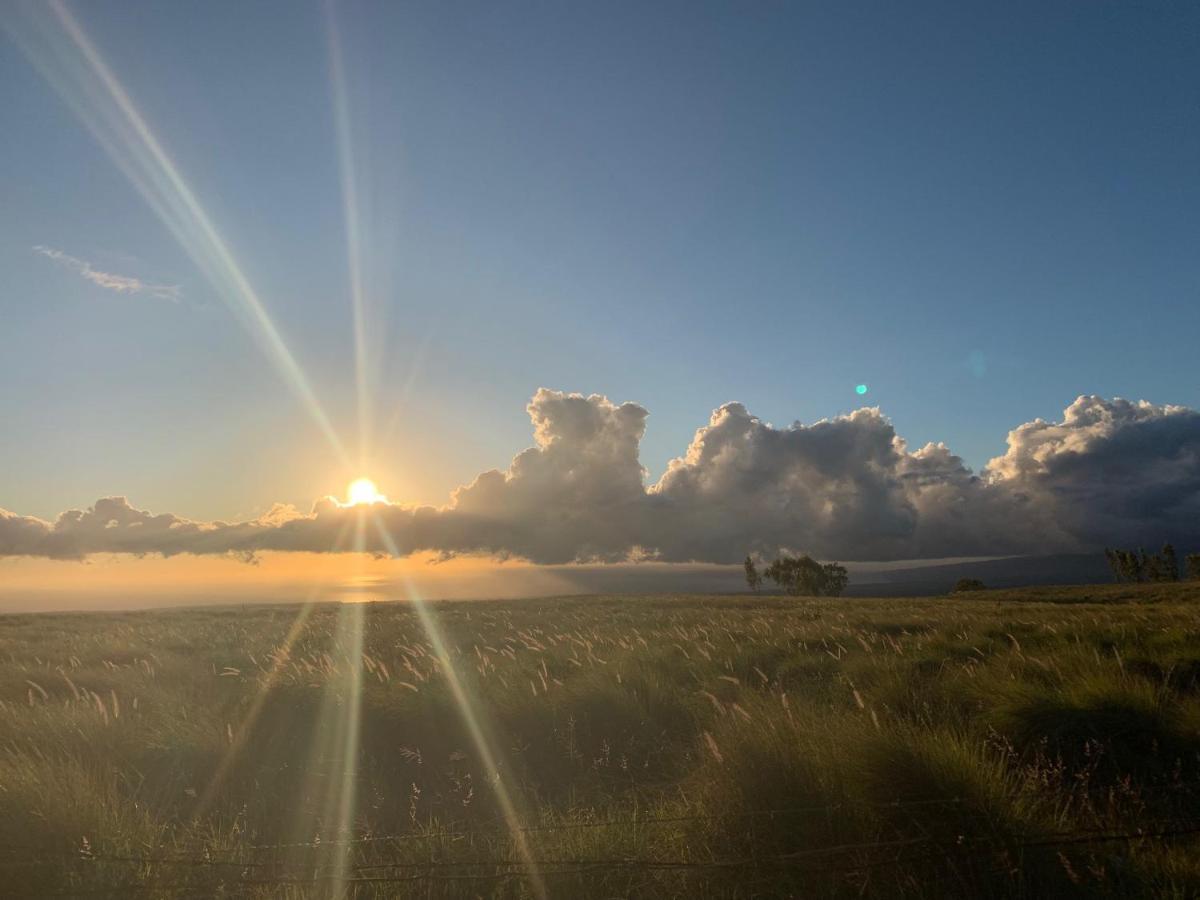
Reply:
x=250 y=870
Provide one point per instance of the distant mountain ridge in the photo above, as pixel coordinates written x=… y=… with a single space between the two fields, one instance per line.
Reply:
x=1016 y=571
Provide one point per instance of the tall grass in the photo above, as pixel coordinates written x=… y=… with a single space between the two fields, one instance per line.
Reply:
x=1030 y=744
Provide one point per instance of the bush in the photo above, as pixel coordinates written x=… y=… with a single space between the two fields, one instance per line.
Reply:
x=969 y=584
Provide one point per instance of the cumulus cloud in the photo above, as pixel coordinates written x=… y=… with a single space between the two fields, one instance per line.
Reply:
x=113 y=525
x=122 y=284
x=745 y=485
x=1111 y=472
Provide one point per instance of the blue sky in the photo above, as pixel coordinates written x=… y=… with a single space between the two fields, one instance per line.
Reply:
x=979 y=210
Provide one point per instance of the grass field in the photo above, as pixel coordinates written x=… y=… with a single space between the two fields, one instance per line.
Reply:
x=1024 y=743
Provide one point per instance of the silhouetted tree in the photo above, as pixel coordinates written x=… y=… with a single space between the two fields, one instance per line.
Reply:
x=1129 y=566
x=1170 y=563
x=805 y=576
x=1125 y=564
x=1114 y=563
x=785 y=573
x=1162 y=566
x=752 y=577
x=836 y=579
x=1192 y=563
x=969 y=584
x=1136 y=563
x=1152 y=568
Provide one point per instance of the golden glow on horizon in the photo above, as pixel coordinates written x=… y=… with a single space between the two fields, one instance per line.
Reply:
x=362 y=491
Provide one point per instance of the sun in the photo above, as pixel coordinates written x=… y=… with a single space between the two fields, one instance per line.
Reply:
x=363 y=491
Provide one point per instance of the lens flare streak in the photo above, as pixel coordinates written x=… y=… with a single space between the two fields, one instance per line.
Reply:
x=246 y=726
x=76 y=69
x=353 y=224
x=341 y=794
x=471 y=718
x=333 y=756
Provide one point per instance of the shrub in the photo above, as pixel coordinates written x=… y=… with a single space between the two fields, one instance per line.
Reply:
x=969 y=584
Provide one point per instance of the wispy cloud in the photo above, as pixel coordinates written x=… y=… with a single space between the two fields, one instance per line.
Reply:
x=110 y=281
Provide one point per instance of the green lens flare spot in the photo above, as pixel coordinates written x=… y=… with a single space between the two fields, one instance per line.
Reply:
x=860 y=389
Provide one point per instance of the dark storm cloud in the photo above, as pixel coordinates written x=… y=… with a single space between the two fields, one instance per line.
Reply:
x=1111 y=472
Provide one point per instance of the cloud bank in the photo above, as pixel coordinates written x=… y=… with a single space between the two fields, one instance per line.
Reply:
x=1112 y=472
x=122 y=284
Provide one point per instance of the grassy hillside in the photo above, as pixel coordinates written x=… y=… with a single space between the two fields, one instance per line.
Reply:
x=1035 y=743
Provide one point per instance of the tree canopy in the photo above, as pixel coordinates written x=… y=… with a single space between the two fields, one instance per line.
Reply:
x=802 y=576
